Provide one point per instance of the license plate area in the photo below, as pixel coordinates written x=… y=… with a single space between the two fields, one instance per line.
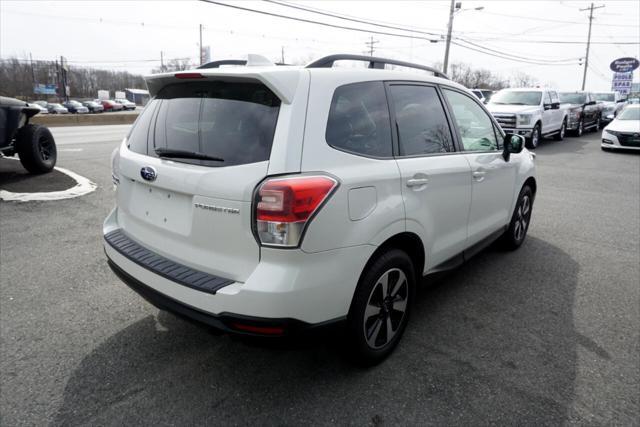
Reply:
x=164 y=209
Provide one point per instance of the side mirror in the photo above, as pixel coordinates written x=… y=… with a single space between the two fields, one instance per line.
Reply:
x=555 y=106
x=512 y=144
x=621 y=100
x=591 y=103
x=547 y=106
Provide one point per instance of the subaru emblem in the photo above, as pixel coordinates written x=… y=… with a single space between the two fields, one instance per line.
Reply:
x=148 y=173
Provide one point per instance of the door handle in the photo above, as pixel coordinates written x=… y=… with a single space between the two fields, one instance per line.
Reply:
x=478 y=176
x=417 y=182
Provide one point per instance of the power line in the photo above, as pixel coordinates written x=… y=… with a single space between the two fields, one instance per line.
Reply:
x=510 y=58
x=361 y=21
x=309 y=21
x=557 y=20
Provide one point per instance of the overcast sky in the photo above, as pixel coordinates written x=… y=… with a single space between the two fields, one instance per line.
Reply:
x=129 y=35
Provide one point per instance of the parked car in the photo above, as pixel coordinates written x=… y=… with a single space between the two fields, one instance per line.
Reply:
x=41 y=103
x=33 y=144
x=110 y=105
x=228 y=219
x=93 y=106
x=41 y=109
x=612 y=102
x=624 y=130
x=531 y=112
x=126 y=104
x=483 y=95
x=583 y=111
x=75 y=107
x=57 y=109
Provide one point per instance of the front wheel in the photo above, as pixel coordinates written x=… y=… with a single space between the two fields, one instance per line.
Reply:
x=380 y=308
x=535 y=137
x=36 y=149
x=519 y=225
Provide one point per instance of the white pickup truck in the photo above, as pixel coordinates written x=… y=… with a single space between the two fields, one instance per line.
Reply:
x=531 y=112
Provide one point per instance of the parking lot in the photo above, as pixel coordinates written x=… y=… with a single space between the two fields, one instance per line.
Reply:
x=544 y=335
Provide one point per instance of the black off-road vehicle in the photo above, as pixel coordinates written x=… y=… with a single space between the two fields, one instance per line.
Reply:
x=34 y=144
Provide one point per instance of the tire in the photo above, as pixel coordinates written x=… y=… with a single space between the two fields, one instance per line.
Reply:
x=563 y=129
x=536 y=135
x=372 y=312
x=596 y=127
x=580 y=128
x=515 y=234
x=36 y=148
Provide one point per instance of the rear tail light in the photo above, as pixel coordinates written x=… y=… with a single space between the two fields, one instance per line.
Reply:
x=188 y=76
x=284 y=207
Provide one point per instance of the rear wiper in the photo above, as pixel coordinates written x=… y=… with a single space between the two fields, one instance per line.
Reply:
x=184 y=154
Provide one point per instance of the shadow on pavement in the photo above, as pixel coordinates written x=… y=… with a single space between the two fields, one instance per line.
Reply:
x=491 y=342
x=15 y=178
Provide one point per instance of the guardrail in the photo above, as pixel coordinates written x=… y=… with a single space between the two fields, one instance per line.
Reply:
x=54 y=120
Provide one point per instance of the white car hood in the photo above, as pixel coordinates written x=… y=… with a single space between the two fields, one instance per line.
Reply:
x=624 y=126
x=508 y=108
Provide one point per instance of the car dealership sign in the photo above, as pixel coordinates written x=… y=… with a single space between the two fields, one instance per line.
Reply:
x=624 y=65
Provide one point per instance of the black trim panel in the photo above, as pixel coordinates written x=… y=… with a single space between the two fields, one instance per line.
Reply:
x=181 y=274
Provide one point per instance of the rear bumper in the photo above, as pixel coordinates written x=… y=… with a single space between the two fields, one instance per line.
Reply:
x=228 y=322
x=302 y=290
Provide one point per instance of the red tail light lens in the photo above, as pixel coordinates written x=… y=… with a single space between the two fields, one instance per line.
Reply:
x=285 y=205
x=188 y=76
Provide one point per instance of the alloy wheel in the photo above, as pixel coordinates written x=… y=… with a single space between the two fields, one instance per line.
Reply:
x=386 y=308
x=522 y=218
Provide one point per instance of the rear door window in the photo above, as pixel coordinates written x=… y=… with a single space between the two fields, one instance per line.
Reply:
x=359 y=120
x=234 y=121
x=422 y=124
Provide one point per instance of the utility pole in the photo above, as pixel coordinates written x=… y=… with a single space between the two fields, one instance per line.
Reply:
x=371 y=45
x=586 y=59
x=33 y=73
x=201 y=44
x=452 y=11
x=161 y=62
x=282 y=55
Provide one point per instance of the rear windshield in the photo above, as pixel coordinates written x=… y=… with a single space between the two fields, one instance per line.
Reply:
x=232 y=121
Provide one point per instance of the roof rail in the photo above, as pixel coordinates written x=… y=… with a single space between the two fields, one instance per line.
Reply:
x=374 y=62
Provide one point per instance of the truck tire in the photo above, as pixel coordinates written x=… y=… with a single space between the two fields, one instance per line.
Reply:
x=536 y=135
x=560 y=135
x=36 y=149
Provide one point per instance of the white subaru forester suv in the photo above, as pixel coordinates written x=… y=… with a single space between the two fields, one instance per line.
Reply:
x=266 y=200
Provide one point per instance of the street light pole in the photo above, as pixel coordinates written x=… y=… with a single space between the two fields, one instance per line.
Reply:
x=446 y=49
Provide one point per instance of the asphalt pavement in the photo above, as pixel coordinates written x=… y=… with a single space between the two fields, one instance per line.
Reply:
x=546 y=335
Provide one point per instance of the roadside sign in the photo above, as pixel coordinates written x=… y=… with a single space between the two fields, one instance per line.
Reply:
x=624 y=65
x=43 y=89
x=622 y=82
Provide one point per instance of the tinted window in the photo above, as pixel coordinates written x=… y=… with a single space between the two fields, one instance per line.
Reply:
x=573 y=97
x=359 y=120
x=137 y=138
x=229 y=120
x=422 y=124
x=474 y=124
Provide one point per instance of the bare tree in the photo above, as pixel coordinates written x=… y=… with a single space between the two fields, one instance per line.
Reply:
x=176 y=64
x=520 y=79
x=474 y=77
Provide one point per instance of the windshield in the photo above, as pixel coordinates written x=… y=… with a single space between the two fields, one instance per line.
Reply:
x=573 y=98
x=227 y=120
x=629 y=114
x=605 y=97
x=517 y=97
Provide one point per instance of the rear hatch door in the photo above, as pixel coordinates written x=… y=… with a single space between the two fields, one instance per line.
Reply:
x=188 y=170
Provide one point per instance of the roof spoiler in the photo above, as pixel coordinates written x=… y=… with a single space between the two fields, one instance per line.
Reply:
x=374 y=62
x=252 y=60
